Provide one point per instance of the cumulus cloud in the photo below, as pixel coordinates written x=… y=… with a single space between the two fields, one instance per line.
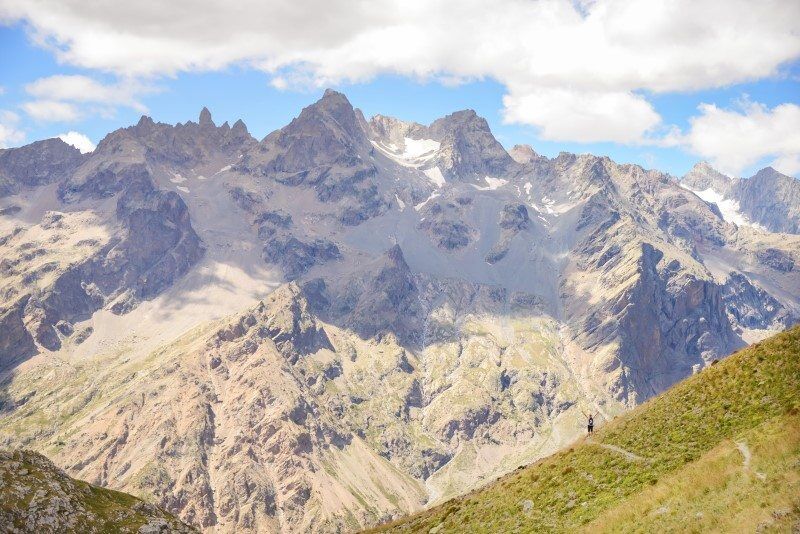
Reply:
x=51 y=111
x=67 y=97
x=560 y=53
x=734 y=139
x=583 y=116
x=77 y=88
x=10 y=134
x=78 y=140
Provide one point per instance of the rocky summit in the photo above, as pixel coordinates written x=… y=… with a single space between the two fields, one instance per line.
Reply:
x=354 y=319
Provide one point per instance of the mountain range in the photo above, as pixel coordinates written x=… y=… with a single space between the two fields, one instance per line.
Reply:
x=350 y=319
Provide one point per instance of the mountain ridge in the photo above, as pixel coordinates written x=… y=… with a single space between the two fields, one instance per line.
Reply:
x=384 y=290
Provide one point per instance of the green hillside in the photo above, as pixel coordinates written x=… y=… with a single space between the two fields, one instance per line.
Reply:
x=719 y=451
x=36 y=496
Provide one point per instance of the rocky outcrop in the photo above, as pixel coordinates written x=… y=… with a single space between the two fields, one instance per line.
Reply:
x=16 y=342
x=156 y=244
x=749 y=306
x=445 y=226
x=295 y=257
x=381 y=299
x=776 y=259
x=468 y=148
x=327 y=149
x=771 y=199
x=39 y=497
x=513 y=219
x=523 y=153
x=39 y=163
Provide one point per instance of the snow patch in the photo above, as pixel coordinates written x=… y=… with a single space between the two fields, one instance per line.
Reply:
x=418 y=148
x=421 y=204
x=181 y=188
x=435 y=176
x=223 y=169
x=177 y=178
x=528 y=188
x=494 y=183
x=728 y=207
x=400 y=202
x=414 y=153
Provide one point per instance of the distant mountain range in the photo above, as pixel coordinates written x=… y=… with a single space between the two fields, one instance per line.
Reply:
x=351 y=319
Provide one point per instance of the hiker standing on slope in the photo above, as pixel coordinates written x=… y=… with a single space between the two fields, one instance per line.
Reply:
x=590 y=424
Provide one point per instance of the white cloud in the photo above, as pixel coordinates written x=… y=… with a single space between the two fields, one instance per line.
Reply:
x=564 y=115
x=78 y=140
x=734 y=139
x=77 y=88
x=51 y=111
x=10 y=134
x=551 y=52
x=67 y=97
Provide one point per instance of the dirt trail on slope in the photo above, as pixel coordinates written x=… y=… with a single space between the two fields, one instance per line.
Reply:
x=746 y=455
x=619 y=450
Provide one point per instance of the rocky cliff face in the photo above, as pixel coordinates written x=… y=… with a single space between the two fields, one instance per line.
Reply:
x=450 y=312
x=39 y=163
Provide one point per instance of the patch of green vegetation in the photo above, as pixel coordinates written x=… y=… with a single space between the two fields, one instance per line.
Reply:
x=34 y=494
x=666 y=438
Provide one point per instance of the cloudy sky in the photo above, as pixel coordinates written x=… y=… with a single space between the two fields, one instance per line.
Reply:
x=662 y=84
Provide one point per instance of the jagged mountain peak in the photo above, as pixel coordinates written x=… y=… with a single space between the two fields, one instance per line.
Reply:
x=145 y=121
x=465 y=119
x=395 y=255
x=772 y=173
x=205 y=117
x=240 y=128
x=333 y=113
x=703 y=176
x=37 y=163
x=523 y=153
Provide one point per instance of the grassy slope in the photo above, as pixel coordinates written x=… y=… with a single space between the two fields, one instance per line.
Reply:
x=33 y=489
x=688 y=473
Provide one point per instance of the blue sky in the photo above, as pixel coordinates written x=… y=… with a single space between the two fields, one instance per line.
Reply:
x=655 y=122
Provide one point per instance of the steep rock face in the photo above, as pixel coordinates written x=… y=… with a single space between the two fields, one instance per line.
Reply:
x=750 y=306
x=155 y=246
x=382 y=300
x=39 y=163
x=325 y=148
x=513 y=219
x=772 y=199
x=468 y=148
x=16 y=342
x=670 y=324
x=127 y=253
